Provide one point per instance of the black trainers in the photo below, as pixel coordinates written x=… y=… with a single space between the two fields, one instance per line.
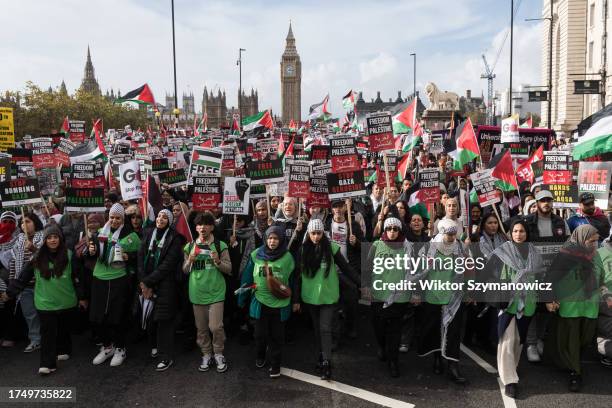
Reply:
x=575 y=382
x=164 y=365
x=260 y=362
x=326 y=370
x=511 y=390
x=274 y=372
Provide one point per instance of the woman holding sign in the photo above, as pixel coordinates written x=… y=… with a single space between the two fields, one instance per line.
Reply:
x=319 y=288
x=268 y=274
x=115 y=252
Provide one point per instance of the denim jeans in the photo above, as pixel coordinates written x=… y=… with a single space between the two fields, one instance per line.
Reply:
x=30 y=314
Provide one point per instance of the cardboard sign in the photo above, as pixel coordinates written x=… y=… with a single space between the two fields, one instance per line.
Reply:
x=7 y=129
x=173 y=178
x=129 y=180
x=82 y=175
x=85 y=200
x=557 y=168
x=346 y=185
x=344 y=154
x=380 y=131
x=205 y=161
x=429 y=179
x=381 y=177
x=236 y=195
x=594 y=177
x=20 y=155
x=62 y=152
x=206 y=193
x=18 y=192
x=510 y=129
x=77 y=131
x=229 y=157
x=47 y=181
x=318 y=186
x=299 y=179
x=265 y=172
x=564 y=196
x=42 y=153
x=122 y=147
x=266 y=148
x=537 y=169
x=437 y=144
x=489 y=136
x=484 y=184
x=159 y=164
x=23 y=170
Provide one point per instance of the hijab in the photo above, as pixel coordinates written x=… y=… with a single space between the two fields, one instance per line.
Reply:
x=267 y=254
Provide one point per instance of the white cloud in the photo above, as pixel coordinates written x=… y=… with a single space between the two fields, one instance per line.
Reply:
x=343 y=45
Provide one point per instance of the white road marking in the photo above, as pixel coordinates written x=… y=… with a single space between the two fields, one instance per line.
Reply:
x=508 y=402
x=346 y=389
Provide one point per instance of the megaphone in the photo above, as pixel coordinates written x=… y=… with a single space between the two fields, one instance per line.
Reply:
x=118 y=261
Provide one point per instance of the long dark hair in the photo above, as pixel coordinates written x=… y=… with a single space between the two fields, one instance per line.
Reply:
x=59 y=258
x=311 y=256
x=38 y=225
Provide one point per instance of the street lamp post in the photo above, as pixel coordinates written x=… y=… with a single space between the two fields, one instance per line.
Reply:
x=511 y=47
x=239 y=63
x=414 y=76
x=550 y=64
x=176 y=110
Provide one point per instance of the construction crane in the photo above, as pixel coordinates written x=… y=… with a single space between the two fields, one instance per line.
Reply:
x=488 y=75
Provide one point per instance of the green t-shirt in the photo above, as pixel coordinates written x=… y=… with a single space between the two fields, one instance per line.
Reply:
x=321 y=290
x=206 y=281
x=573 y=301
x=129 y=244
x=440 y=296
x=55 y=293
x=282 y=268
x=380 y=282
x=507 y=275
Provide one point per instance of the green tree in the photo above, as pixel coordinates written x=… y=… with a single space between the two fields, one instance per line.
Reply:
x=39 y=112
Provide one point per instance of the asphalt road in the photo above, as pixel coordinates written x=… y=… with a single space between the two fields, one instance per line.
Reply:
x=137 y=384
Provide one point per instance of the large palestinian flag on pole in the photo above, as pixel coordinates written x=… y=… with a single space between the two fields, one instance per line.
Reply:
x=503 y=171
x=597 y=140
x=405 y=120
x=258 y=120
x=65 y=129
x=320 y=110
x=141 y=95
x=466 y=148
x=348 y=101
x=416 y=204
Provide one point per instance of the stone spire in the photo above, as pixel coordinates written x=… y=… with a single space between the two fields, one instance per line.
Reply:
x=290 y=50
x=90 y=84
x=63 y=90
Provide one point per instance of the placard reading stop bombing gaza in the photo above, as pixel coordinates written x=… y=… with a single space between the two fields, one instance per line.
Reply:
x=346 y=185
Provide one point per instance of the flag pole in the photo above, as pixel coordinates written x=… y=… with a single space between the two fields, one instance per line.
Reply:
x=501 y=224
x=182 y=212
x=348 y=213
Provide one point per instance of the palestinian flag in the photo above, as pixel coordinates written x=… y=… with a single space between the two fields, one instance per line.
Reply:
x=320 y=110
x=292 y=126
x=524 y=171
x=287 y=152
x=503 y=171
x=402 y=166
x=404 y=121
x=235 y=128
x=258 y=120
x=415 y=203
x=65 y=129
x=466 y=146
x=151 y=203
x=527 y=123
x=597 y=140
x=182 y=227
x=348 y=101
x=141 y=95
x=96 y=132
x=202 y=127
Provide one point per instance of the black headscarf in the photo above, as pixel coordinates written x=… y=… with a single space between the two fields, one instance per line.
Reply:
x=268 y=254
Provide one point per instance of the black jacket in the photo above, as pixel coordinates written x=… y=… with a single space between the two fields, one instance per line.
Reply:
x=163 y=279
x=560 y=232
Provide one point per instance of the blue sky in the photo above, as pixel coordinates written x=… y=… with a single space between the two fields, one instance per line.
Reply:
x=359 y=45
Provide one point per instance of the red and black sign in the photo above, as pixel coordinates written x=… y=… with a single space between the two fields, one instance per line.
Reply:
x=346 y=185
x=318 y=186
x=319 y=154
x=21 y=191
x=42 y=153
x=429 y=179
x=265 y=172
x=82 y=175
x=381 y=177
x=62 y=152
x=557 y=168
x=380 y=132
x=173 y=178
x=299 y=179
x=344 y=154
x=77 y=131
x=206 y=193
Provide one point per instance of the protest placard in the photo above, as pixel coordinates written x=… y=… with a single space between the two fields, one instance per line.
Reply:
x=42 y=153
x=20 y=191
x=62 y=152
x=77 y=131
x=557 y=167
x=299 y=179
x=7 y=129
x=173 y=178
x=85 y=200
x=484 y=184
x=206 y=193
x=429 y=179
x=129 y=180
x=344 y=154
x=205 y=161
x=236 y=195
x=346 y=185
x=594 y=178
x=380 y=131
x=265 y=172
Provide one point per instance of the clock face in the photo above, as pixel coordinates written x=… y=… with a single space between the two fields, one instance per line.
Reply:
x=289 y=69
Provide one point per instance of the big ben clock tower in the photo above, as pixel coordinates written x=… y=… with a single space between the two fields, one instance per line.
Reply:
x=291 y=81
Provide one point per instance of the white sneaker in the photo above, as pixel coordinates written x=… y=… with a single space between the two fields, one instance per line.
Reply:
x=532 y=354
x=63 y=357
x=103 y=355
x=154 y=353
x=119 y=357
x=540 y=347
x=205 y=363
x=31 y=347
x=45 y=370
x=220 y=362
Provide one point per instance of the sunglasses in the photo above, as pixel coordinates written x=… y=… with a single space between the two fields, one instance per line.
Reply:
x=394 y=229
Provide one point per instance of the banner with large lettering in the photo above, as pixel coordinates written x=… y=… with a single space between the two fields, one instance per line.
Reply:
x=129 y=180
x=85 y=200
x=380 y=131
x=206 y=193
x=594 y=178
x=205 y=161
x=62 y=152
x=346 y=185
x=344 y=154
x=265 y=172
x=557 y=167
x=529 y=139
x=429 y=179
x=173 y=178
x=299 y=179
x=484 y=184
x=20 y=191
x=7 y=129
x=42 y=153
x=77 y=131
